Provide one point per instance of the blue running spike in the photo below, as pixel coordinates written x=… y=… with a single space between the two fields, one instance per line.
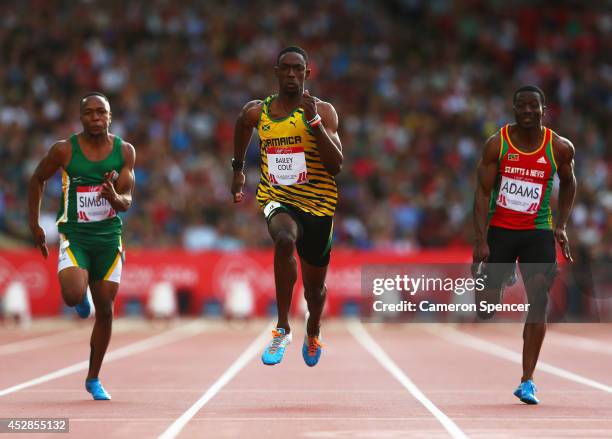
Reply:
x=94 y=386
x=276 y=348
x=526 y=392
x=83 y=309
x=312 y=347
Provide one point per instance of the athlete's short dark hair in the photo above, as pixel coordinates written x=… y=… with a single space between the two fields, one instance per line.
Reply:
x=296 y=49
x=90 y=94
x=532 y=88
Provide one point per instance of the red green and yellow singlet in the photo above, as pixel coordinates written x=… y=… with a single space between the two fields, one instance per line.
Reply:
x=521 y=195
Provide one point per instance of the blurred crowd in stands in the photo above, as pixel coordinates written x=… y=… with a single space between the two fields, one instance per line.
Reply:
x=418 y=85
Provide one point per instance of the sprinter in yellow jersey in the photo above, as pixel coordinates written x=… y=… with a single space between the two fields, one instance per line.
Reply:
x=300 y=155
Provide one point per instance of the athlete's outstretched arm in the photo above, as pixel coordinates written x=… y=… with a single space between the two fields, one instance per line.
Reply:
x=326 y=133
x=564 y=155
x=485 y=179
x=56 y=157
x=118 y=189
x=245 y=123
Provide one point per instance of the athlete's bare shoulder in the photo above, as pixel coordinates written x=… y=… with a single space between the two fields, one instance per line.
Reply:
x=62 y=145
x=494 y=138
x=563 y=148
x=492 y=147
x=328 y=113
x=253 y=105
x=249 y=115
x=128 y=151
x=562 y=142
x=323 y=104
x=58 y=156
x=60 y=152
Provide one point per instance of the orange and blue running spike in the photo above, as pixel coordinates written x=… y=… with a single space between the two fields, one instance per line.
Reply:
x=273 y=354
x=311 y=350
x=312 y=347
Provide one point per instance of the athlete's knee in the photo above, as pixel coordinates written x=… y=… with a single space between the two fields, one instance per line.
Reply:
x=315 y=293
x=533 y=328
x=284 y=242
x=539 y=282
x=104 y=311
x=539 y=276
x=537 y=286
x=537 y=294
x=73 y=285
x=73 y=295
x=538 y=306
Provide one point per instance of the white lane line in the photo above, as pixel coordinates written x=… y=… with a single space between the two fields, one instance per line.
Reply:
x=175 y=428
x=58 y=338
x=370 y=345
x=495 y=419
x=149 y=343
x=577 y=342
x=470 y=341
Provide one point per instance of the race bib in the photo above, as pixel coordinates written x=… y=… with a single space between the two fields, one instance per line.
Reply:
x=518 y=195
x=91 y=209
x=287 y=166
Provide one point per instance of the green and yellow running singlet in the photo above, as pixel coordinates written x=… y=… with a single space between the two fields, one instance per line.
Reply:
x=291 y=168
x=81 y=212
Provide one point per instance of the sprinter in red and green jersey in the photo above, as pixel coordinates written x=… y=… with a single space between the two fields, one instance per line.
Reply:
x=513 y=218
x=97 y=182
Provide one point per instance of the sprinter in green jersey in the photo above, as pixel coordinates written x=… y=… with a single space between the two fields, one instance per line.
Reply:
x=97 y=182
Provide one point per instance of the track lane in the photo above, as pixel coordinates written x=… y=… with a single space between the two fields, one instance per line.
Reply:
x=348 y=394
x=150 y=389
x=66 y=348
x=475 y=388
x=561 y=347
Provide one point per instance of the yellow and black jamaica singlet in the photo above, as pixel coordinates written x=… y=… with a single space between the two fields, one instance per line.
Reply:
x=291 y=168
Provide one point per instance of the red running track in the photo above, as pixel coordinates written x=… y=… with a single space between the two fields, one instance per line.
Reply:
x=463 y=377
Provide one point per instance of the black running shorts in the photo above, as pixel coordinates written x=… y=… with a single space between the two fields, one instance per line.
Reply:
x=534 y=249
x=315 y=232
